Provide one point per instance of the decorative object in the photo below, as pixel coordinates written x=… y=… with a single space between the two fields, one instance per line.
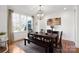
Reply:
x=52 y=27
x=2 y=33
x=42 y=31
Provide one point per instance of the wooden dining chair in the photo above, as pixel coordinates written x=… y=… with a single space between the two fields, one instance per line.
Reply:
x=58 y=46
x=60 y=42
x=56 y=39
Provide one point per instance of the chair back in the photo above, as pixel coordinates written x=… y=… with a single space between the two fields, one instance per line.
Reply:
x=58 y=44
x=55 y=32
x=49 y=31
x=60 y=39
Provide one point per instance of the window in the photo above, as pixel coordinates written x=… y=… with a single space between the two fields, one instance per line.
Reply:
x=21 y=22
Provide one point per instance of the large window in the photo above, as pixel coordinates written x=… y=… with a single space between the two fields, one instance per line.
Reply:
x=21 y=22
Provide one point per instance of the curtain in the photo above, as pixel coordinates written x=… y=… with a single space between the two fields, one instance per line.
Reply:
x=10 y=30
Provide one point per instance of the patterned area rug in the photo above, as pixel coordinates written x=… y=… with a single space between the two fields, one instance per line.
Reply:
x=68 y=47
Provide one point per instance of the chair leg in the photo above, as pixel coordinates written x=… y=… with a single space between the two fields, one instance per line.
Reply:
x=60 y=50
x=46 y=50
x=28 y=41
x=51 y=50
x=24 y=41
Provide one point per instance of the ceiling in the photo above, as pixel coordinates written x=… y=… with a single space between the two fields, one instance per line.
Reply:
x=32 y=9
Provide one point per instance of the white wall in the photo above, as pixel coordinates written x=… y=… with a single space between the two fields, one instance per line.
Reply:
x=3 y=19
x=78 y=26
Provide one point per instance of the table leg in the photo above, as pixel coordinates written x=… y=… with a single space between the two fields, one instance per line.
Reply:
x=45 y=50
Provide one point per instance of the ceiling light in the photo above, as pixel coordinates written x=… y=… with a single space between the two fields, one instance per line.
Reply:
x=40 y=15
x=40 y=12
x=65 y=8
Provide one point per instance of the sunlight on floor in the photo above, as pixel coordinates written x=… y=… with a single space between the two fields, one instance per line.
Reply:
x=15 y=49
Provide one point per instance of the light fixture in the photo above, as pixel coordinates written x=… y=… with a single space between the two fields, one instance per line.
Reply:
x=40 y=12
x=65 y=8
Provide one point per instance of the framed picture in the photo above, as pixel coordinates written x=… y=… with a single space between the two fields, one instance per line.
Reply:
x=54 y=21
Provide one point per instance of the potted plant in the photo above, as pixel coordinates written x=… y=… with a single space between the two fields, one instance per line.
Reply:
x=2 y=34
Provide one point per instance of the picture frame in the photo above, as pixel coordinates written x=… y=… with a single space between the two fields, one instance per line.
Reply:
x=54 y=21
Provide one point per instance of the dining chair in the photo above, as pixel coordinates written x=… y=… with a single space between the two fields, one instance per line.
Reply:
x=56 y=39
x=49 y=31
x=58 y=44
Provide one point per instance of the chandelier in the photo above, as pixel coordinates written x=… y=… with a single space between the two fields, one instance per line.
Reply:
x=40 y=12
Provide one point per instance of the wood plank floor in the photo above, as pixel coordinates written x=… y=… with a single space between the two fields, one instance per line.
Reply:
x=15 y=49
x=29 y=48
x=77 y=50
x=19 y=47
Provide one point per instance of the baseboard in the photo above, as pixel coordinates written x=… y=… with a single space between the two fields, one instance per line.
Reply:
x=18 y=40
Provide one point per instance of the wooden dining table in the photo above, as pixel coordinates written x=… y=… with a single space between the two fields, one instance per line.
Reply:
x=42 y=39
x=44 y=35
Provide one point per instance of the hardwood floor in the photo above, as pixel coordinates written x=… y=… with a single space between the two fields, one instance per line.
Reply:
x=77 y=50
x=2 y=49
x=30 y=48
x=19 y=47
x=15 y=49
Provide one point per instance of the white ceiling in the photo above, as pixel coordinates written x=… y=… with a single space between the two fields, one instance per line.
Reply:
x=32 y=9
